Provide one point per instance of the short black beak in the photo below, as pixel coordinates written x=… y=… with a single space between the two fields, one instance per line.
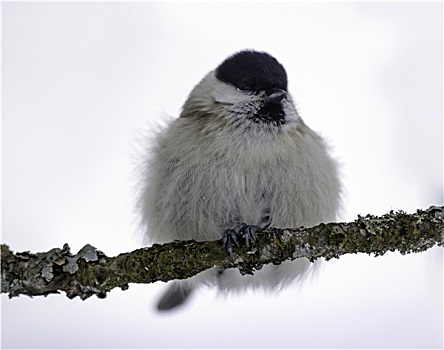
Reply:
x=275 y=96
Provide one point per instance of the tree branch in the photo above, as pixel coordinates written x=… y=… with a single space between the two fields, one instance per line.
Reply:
x=91 y=272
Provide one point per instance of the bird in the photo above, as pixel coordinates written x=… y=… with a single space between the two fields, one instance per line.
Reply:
x=239 y=158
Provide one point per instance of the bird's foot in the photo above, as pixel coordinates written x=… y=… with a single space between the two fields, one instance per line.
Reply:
x=231 y=236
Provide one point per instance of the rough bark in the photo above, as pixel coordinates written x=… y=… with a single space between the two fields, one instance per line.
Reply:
x=91 y=272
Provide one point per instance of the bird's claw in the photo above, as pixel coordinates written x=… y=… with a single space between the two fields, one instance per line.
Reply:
x=249 y=231
x=229 y=237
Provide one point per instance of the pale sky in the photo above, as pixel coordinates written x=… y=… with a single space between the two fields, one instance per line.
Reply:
x=81 y=81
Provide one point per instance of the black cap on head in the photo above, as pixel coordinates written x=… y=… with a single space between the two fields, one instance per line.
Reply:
x=253 y=71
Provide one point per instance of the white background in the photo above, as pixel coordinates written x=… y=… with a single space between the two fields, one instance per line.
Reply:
x=82 y=80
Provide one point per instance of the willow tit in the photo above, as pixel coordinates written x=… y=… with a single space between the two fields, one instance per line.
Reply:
x=238 y=158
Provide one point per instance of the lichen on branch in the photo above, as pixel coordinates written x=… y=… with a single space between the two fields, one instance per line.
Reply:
x=91 y=272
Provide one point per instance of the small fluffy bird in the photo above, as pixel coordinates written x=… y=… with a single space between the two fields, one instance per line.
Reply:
x=238 y=159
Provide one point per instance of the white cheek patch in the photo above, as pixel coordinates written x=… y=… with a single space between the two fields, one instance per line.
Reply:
x=291 y=113
x=236 y=100
x=227 y=94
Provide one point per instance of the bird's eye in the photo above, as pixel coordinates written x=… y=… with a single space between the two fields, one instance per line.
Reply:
x=245 y=86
